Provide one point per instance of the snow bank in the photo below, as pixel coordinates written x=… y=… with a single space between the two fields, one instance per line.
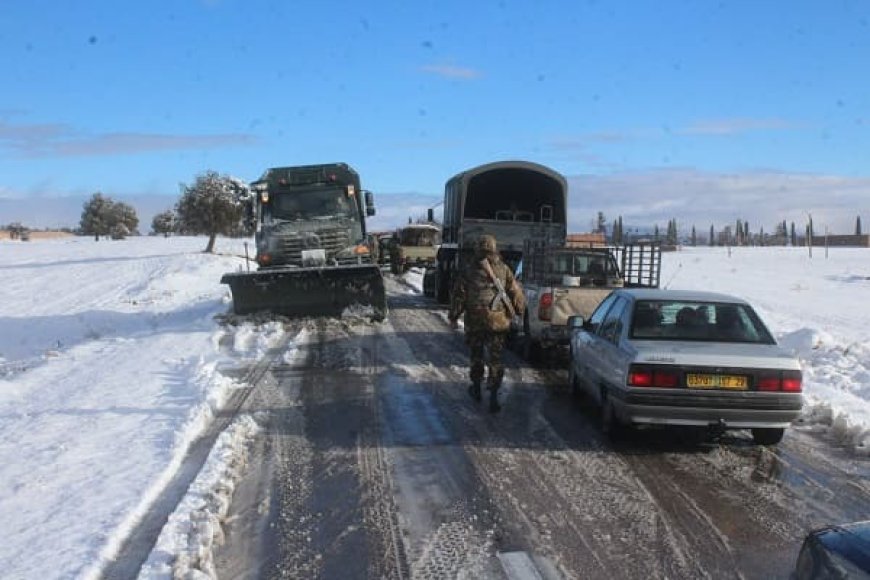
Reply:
x=185 y=548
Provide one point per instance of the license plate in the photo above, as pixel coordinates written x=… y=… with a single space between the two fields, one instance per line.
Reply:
x=699 y=381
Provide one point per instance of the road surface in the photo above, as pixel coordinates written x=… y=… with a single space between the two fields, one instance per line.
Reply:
x=374 y=463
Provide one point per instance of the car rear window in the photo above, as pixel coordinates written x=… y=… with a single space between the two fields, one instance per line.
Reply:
x=698 y=321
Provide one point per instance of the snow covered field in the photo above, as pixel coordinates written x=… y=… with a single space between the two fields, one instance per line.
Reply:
x=112 y=363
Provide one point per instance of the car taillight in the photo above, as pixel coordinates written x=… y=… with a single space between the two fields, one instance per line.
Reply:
x=769 y=383
x=545 y=306
x=640 y=378
x=264 y=259
x=666 y=379
x=660 y=377
x=785 y=381
x=792 y=384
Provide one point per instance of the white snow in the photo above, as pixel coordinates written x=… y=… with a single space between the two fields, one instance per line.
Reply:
x=112 y=363
x=110 y=366
x=414 y=278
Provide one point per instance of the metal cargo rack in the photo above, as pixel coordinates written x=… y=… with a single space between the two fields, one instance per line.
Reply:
x=641 y=264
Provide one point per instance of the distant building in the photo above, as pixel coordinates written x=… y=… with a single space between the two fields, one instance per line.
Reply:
x=589 y=240
x=847 y=241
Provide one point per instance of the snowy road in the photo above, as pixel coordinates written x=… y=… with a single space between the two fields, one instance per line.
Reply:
x=147 y=434
x=373 y=462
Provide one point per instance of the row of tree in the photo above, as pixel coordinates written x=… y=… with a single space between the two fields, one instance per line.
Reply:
x=740 y=235
x=214 y=204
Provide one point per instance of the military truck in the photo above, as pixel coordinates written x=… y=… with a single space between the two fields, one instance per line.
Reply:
x=311 y=248
x=515 y=201
x=563 y=281
x=414 y=245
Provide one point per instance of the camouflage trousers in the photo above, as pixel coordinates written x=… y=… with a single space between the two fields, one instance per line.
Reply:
x=486 y=350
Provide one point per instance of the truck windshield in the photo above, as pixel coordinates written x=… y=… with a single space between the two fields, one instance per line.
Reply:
x=306 y=204
x=582 y=265
x=419 y=237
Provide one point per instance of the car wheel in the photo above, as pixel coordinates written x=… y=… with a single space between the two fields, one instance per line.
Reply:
x=573 y=385
x=610 y=424
x=767 y=436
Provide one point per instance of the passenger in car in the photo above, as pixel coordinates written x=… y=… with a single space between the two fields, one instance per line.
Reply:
x=647 y=322
x=686 y=317
x=728 y=324
x=597 y=274
x=691 y=324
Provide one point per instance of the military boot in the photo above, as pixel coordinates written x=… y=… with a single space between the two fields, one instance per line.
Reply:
x=474 y=391
x=493 y=384
x=494 y=407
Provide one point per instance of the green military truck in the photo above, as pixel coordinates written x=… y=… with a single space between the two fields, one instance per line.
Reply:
x=312 y=249
x=414 y=245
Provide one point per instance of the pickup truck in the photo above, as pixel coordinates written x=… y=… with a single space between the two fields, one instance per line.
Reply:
x=564 y=281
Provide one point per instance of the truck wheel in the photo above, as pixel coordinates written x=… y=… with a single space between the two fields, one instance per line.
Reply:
x=442 y=293
x=531 y=347
x=531 y=350
x=767 y=436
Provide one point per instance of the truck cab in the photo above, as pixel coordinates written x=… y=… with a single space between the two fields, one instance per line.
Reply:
x=310 y=215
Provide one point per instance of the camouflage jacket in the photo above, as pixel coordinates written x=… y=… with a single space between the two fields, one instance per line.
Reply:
x=474 y=294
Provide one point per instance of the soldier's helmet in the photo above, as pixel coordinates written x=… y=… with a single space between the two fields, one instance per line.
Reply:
x=486 y=245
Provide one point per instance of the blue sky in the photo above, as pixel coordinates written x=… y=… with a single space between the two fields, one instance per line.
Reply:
x=657 y=109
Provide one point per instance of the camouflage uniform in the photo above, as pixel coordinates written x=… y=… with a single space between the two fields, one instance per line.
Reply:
x=487 y=321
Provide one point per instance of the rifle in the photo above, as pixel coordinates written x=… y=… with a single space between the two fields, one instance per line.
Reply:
x=502 y=294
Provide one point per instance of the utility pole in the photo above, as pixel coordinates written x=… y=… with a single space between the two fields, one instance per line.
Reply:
x=810 y=234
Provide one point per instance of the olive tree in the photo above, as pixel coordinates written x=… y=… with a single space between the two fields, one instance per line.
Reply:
x=96 y=216
x=213 y=205
x=123 y=221
x=103 y=216
x=164 y=223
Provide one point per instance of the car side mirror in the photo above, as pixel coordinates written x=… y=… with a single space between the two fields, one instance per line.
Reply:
x=576 y=322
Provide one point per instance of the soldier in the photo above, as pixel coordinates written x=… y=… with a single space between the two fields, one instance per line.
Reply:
x=489 y=295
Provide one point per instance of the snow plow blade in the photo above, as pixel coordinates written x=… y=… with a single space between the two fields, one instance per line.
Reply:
x=298 y=292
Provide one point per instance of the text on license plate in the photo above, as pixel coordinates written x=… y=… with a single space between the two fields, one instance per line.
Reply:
x=700 y=381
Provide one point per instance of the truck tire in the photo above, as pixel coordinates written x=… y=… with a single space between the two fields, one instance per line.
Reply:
x=767 y=436
x=442 y=292
x=531 y=347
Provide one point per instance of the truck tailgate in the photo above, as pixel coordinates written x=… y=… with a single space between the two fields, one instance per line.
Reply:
x=570 y=301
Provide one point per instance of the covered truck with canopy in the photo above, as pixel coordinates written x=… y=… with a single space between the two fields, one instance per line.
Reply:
x=515 y=201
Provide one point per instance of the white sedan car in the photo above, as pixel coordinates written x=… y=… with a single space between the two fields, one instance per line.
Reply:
x=684 y=358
